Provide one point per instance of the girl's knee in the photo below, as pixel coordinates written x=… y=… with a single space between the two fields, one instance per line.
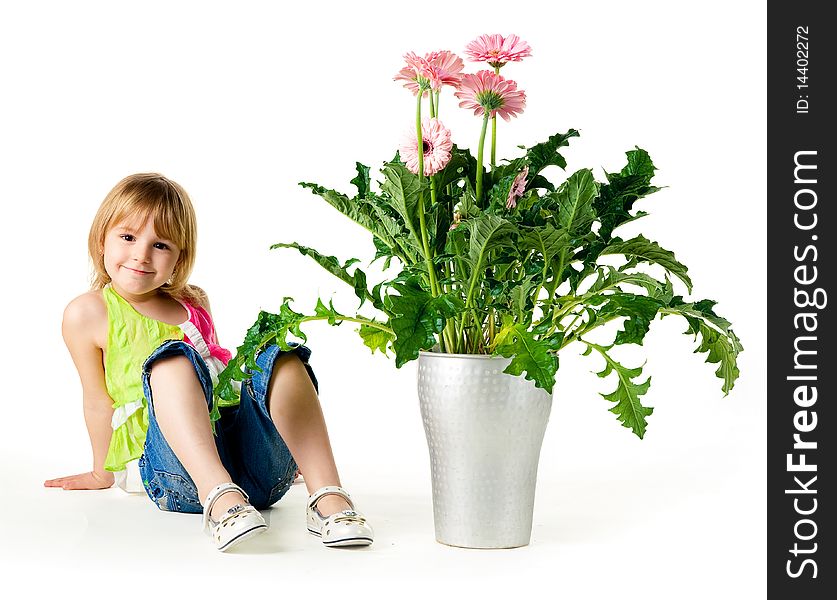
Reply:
x=287 y=365
x=171 y=366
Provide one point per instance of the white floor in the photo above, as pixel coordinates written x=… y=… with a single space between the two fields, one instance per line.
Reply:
x=680 y=514
x=591 y=539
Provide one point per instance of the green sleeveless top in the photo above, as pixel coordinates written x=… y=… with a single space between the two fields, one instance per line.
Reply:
x=132 y=337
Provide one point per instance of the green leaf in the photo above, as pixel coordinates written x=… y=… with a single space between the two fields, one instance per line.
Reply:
x=403 y=189
x=575 y=198
x=460 y=158
x=544 y=154
x=640 y=311
x=356 y=279
x=716 y=337
x=393 y=235
x=644 y=250
x=438 y=222
x=417 y=318
x=617 y=197
x=456 y=169
x=529 y=356
x=321 y=310
x=628 y=408
x=609 y=278
x=356 y=211
x=520 y=295
x=361 y=181
x=498 y=193
x=506 y=172
x=547 y=240
x=488 y=232
x=268 y=328
x=375 y=339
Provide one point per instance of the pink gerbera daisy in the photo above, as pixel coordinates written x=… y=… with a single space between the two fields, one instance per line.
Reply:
x=446 y=66
x=517 y=188
x=487 y=92
x=436 y=146
x=431 y=71
x=417 y=73
x=497 y=50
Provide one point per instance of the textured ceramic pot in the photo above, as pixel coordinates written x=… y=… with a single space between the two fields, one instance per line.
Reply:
x=484 y=432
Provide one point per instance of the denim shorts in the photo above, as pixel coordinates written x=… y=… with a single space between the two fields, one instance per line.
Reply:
x=251 y=450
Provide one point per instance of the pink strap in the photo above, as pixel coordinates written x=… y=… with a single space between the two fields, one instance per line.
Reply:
x=200 y=318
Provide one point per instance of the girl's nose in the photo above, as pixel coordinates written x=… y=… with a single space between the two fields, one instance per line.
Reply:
x=141 y=254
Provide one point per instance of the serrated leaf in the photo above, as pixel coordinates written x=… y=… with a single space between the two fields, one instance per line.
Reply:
x=375 y=339
x=575 y=203
x=403 y=189
x=349 y=207
x=268 y=328
x=456 y=169
x=544 y=154
x=356 y=279
x=640 y=311
x=628 y=408
x=417 y=318
x=716 y=337
x=547 y=240
x=530 y=357
x=644 y=250
x=321 y=310
x=393 y=239
x=519 y=296
x=616 y=198
x=610 y=278
x=488 y=232
x=361 y=180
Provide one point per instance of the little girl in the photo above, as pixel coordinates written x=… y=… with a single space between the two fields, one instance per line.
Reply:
x=145 y=348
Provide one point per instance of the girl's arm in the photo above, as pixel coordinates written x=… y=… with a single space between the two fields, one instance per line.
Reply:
x=85 y=330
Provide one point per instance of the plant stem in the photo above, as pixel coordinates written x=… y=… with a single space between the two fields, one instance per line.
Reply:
x=577 y=317
x=480 y=156
x=419 y=138
x=494 y=132
x=491 y=332
x=373 y=324
x=428 y=253
x=493 y=141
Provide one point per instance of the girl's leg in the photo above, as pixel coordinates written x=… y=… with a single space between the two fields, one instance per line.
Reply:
x=296 y=412
x=183 y=418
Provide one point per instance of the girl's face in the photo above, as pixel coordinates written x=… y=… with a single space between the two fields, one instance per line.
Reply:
x=138 y=260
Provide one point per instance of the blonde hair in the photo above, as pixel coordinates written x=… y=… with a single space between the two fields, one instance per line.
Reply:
x=140 y=197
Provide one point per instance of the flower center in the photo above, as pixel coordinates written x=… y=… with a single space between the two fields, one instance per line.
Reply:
x=426 y=147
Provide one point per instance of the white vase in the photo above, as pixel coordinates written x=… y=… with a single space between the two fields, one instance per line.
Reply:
x=484 y=431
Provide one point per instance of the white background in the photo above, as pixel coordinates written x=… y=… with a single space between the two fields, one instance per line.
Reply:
x=239 y=102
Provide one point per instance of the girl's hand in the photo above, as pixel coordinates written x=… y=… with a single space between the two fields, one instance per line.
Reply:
x=83 y=481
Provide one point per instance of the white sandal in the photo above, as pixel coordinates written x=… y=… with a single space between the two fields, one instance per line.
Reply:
x=237 y=524
x=346 y=528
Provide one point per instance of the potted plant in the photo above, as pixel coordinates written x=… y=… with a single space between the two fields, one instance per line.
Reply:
x=494 y=269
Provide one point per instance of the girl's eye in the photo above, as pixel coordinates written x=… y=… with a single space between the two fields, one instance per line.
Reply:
x=161 y=246
x=127 y=237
